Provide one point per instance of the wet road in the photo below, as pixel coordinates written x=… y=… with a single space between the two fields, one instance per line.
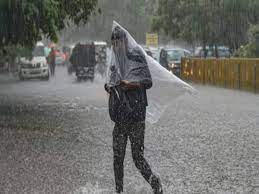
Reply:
x=56 y=137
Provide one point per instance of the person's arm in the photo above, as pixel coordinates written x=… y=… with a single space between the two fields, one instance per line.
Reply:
x=129 y=86
x=133 y=86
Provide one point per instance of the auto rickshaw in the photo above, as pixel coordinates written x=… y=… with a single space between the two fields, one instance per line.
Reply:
x=83 y=61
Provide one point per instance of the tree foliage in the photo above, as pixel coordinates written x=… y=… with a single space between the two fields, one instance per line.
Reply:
x=23 y=22
x=252 y=48
x=208 y=22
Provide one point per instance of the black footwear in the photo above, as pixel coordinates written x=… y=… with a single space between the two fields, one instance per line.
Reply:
x=156 y=185
x=119 y=189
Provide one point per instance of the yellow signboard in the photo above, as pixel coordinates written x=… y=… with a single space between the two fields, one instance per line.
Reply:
x=152 y=39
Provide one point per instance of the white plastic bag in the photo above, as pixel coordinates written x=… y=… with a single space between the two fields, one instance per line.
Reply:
x=166 y=86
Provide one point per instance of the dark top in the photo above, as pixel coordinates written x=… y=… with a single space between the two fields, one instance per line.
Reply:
x=129 y=105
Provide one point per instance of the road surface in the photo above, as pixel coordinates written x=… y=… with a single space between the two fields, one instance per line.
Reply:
x=56 y=137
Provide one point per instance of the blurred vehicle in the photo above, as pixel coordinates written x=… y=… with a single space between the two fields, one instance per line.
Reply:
x=147 y=50
x=173 y=59
x=67 y=50
x=83 y=61
x=60 y=57
x=223 y=52
x=101 y=57
x=154 y=51
x=36 y=67
x=4 y=67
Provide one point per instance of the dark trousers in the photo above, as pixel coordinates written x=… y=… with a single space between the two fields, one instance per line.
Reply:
x=136 y=133
x=52 y=69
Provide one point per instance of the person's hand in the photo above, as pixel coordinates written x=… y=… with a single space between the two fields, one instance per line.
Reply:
x=107 y=89
x=125 y=82
x=128 y=85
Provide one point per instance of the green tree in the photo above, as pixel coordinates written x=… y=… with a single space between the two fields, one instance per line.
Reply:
x=208 y=22
x=24 y=22
x=252 y=48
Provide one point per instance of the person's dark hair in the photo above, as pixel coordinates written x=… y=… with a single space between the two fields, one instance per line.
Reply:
x=118 y=34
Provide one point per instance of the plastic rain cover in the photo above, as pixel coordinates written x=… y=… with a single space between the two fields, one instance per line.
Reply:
x=131 y=63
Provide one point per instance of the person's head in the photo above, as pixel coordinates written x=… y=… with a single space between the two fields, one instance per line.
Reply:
x=118 y=39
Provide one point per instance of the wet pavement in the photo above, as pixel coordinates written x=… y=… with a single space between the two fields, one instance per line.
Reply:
x=56 y=137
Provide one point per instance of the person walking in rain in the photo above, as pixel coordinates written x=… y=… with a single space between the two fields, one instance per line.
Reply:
x=164 y=58
x=128 y=79
x=52 y=61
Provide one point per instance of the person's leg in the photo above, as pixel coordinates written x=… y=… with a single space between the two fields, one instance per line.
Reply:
x=54 y=66
x=119 y=148
x=51 y=69
x=137 y=135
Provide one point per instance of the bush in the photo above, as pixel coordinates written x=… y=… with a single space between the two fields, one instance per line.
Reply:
x=251 y=50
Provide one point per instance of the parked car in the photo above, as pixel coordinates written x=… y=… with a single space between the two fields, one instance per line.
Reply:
x=35 y=67
x=173 y=59
x=155 y=52
x=223 y=52
x=147 y=50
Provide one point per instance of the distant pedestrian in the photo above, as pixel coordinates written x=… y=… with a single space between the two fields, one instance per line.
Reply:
x=52 y=61
x=164 y=58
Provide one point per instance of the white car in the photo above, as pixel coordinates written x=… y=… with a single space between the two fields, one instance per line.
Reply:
x=37 y=67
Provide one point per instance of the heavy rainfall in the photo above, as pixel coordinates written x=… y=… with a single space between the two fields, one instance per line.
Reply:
x=132 y=96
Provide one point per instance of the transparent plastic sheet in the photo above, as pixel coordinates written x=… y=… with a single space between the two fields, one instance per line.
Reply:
x=166 y=86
